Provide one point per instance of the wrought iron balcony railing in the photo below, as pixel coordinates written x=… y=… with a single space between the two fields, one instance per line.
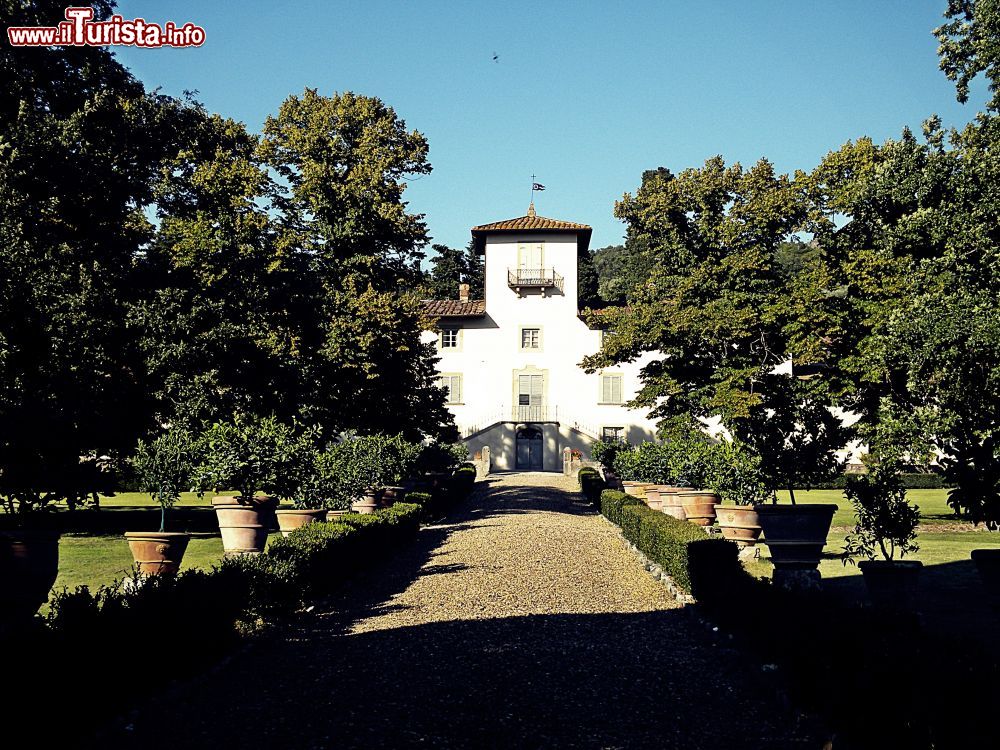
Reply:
x=534 y=278
x=535 y=413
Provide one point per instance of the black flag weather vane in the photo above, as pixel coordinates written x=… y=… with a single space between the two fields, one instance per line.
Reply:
x=535 y=187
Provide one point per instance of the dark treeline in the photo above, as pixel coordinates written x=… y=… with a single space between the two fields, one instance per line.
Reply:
x=161 y=264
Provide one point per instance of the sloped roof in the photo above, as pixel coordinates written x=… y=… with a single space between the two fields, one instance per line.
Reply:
x=453 y=308
x=531 y=223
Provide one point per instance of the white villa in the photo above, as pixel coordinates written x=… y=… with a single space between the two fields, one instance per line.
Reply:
x=510 y=362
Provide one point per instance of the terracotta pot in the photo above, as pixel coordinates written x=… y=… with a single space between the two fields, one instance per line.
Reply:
x=699 y=506
x=244 y=524
x=390 y=495
x=635 y=489
x=669 y=502
x=367 y=503
x=988 y=564
x=892 y=584
x=653 y=499
x=29 y=563
x=739 y=523
x=157 y=553
x=795 y=534
x=290 y=519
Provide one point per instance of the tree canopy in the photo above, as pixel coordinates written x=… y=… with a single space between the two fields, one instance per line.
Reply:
x=278 y=278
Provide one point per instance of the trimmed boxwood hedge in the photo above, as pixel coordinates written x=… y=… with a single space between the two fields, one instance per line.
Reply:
x=808 y=633
x=910 y=481
x=696 y=562
x=592 y=484
x=186 y=621
x=436 y=502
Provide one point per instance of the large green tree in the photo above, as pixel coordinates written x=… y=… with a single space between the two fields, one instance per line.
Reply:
x=712 y=301
x=217 y=320
x=970 y=45
x=81 y=144
x=918 y=265
x=343 y=161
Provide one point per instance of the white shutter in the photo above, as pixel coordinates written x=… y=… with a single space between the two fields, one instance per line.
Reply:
x=530 y=256
x=452 y=385
x=611 y=389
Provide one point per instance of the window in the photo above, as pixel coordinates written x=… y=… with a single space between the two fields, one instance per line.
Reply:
x=613 y=434
x=449 y=338
x=453 y=386
x=530 y=390
x=611 y=389
x=531 y=338
x=530 y=256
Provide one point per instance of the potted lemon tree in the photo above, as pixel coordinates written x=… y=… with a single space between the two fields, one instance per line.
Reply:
x=355 y=471
x=739 y=483
x=163 y=468
x=886 y=527
x=314 y=495
x=256 y=457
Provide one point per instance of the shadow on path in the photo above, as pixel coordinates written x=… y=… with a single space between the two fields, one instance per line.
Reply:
x=593 y=681
x=643 y=679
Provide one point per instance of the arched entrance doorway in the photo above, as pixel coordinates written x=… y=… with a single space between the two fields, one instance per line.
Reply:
x=529 y=448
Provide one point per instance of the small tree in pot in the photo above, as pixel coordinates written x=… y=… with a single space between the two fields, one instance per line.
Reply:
x=359 y=467
x=738 y=480
x=401 y=458
x=308 y=480
x=163 y=467
x=692 y=460
x=437 y=460
x=251 y=455
x=887 y=526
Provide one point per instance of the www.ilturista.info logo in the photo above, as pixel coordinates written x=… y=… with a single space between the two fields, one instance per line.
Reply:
x=80 y=30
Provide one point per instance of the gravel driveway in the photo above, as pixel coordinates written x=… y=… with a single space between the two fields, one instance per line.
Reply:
x=521 y=622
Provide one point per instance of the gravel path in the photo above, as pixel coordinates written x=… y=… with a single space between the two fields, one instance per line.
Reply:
x=523 y=621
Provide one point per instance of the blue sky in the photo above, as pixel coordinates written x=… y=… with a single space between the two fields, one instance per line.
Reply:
x=584 y=95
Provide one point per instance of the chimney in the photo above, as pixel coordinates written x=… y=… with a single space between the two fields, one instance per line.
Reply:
x=463 y=292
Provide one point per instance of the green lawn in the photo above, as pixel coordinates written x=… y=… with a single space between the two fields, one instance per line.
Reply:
x=933 y=504
x=951 y=597
x=936 y=548
x=97 y=560
x=141 y=499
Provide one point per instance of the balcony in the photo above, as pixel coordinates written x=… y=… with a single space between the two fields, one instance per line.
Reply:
x=534 y=413
x=534 y=278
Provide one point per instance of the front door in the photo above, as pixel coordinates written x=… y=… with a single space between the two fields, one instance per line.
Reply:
x=529 y=449
x=529 y=398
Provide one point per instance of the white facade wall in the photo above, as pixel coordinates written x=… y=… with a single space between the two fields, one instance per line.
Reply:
x=489 y=358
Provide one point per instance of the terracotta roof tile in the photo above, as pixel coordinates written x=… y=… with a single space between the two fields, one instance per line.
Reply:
x=453 y=308
x=530 y=223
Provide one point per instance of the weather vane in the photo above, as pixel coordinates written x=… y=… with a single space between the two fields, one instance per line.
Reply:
x=535 y=186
